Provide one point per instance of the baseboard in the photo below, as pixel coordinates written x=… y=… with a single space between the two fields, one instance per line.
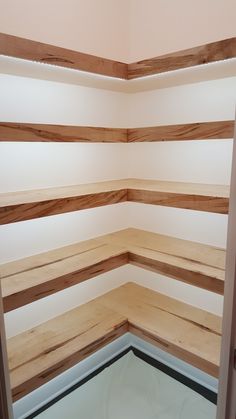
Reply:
x=195 y=374
x=25 y=407
x=44 y=394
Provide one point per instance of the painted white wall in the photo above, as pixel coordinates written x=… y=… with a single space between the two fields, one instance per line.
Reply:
x=124 y=30
x=90 y=26
x=191 y=225
x=34 y=100
x=158 y=27
x=38 y=165
x=204 y=101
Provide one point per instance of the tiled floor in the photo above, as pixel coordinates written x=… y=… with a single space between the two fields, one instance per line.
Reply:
x=132 y=389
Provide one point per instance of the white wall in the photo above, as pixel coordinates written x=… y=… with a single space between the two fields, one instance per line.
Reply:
x=31 y=100
x=25 y=166
x=124 y=30
x=159 y=27
x=97 y=27
x=206 y=101
x=39 y=165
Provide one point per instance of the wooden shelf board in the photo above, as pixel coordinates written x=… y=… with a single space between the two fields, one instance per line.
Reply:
x=39 y=354
x=35 y=277
x=14 y=46
x=26 y=205
x=19 y=131
x=216 y=130
x=195 y=263
x=29 y=132
x=203 y=54
x=178 y=187
x=72 y=191
x=183 y=330
x=42 y=353
x=200 y=197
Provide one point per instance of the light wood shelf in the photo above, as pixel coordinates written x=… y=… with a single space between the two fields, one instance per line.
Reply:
x=191 y=334
x=199 y=55
x=185 y=331
x=216 y=130
x=194 y=263
x=39 y=354
x=26 y=205
x=14 y=46
x=27 y=132
x=200 y=197
x=36 y=277
x=30 y=132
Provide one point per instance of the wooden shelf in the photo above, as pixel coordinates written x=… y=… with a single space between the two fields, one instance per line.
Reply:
x=200 y=197
x=216 y=130
x=27 y=132
x=17 y=131
x=14 y=46
x=26 y=205
x=203 y=54
x=39 y=354
x=194 y=263
x=183 y=330
x=35 y=277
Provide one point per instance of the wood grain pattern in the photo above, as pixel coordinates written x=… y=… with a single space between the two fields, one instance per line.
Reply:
x=194 y=196
x=27 y=132
x=35 y=277
x=30 y=211
x=6 y=410
x=182 y=132
x=27 y=205
x=187 y=332
x=194 y=263
x=18 y=131
x=57 y=270
x=194 y=202
x=59 y=344
x=208 y=53
x=171 y=268
x=15 y=46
